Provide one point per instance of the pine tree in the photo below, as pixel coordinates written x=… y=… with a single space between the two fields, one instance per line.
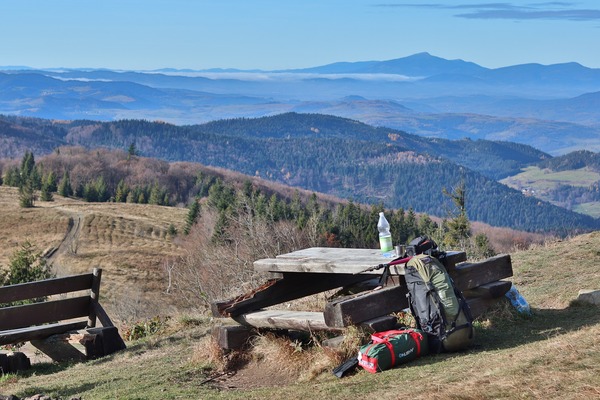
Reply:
x=89 y=192
x=80 y=190
x=122 y=192
x=46 y=194
x=64 y=187
x=131 y=151
x=50 y=182
x=13 y=177
x=458 y=224
x=483 y=247
x=26 y=194
x=36 y=178
x=27 y=165
x=101 y=189
x=172 y=231
x=411 y=224
x=155 y=195
x=192 y=216
x=427 y=226
x=131 y=197
x=26 y=265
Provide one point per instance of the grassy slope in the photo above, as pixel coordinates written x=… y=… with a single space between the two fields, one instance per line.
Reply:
x=129 y=241
x=538 y=181
x=554 y=354
x=541 y=179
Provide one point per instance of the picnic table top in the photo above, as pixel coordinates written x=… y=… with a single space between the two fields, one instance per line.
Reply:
x=329 y=260
x=335 y=260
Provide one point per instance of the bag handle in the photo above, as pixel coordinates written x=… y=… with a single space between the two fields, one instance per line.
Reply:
x=380 y=337
x=383 y=337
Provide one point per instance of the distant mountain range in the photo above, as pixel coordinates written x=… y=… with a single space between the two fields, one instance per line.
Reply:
x=555 y=108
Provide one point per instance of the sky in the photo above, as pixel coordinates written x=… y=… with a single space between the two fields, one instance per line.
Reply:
x=285 y=34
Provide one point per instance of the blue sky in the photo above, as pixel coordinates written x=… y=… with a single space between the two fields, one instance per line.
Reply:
x=281 y=34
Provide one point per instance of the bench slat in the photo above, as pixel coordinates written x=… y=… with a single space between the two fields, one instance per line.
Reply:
x=47 y=312
x=38 y=332
x=32 y=290
x=277 y=319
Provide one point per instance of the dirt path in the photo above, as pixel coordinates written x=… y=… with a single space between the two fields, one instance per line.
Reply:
x=69 y=243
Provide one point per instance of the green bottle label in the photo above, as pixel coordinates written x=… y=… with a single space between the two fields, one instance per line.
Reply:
x=385 y=242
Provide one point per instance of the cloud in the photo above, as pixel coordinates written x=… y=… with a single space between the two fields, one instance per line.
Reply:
x=292 y=76
x=524 y=14
x=551 y=10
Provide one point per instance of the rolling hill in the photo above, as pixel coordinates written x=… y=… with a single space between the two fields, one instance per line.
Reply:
x=341 y=157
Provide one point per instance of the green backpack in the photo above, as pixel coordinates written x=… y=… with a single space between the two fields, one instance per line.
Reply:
x=439 y=308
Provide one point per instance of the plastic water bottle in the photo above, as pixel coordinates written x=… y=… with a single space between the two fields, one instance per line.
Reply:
x=385 y=237
x=518 y=301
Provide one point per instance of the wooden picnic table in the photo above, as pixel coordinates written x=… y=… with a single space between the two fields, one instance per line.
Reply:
x=318 y=269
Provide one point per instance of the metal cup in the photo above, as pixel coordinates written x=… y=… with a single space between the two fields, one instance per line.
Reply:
x=400 y=249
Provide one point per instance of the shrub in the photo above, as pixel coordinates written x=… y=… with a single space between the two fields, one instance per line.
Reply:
x=26 y=265
x=144 y=329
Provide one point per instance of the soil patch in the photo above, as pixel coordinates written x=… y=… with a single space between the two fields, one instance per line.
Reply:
x=251 y=376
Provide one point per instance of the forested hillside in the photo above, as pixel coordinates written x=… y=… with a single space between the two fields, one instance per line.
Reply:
x=494 y=159
x=573 y=160
x=341 y=157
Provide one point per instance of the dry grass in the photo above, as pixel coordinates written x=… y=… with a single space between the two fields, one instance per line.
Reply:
x=553 y=354
x=550 y=275
x=128 y=241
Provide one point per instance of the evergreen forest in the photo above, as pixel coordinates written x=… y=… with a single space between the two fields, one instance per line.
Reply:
x=326 y=154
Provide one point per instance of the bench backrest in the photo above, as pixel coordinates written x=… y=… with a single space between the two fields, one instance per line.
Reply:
x=21 y=316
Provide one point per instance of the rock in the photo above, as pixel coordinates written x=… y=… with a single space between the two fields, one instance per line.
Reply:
x=589 y=296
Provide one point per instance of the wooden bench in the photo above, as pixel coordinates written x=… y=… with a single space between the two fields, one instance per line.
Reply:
x=53 y=325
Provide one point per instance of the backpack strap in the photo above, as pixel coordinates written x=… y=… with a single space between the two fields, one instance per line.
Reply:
x=464 y=306
x=436 y=302
x=384 y=275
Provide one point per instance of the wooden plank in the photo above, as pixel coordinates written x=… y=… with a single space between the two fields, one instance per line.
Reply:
x=490 y=290
x=380 y=324
x=101 y=314
x=107 y=340
x=352 y=310
x=479 y=305
x=471 y=275
x=94 y=296
x=18 y=361
x=46 y=312
x=292 y=286
x=232 y=337
x=332 y=260
x=4 y=364
x=322 y=266
x=38 y=332
x=295 y=320
x=453 y=258
x=58 y=348
x=48 y=287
